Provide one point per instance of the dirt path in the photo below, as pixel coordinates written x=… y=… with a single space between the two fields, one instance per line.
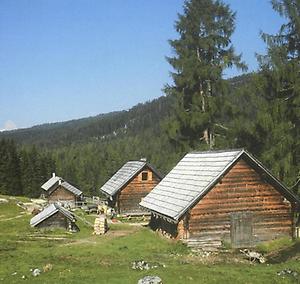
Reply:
x=11 y=218
x=109 y=235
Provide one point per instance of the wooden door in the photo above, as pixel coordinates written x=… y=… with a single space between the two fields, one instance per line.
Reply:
x=241 y=229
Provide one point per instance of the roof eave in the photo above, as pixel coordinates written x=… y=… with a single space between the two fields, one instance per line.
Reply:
x=154 y=170
x=243 y=152
x=165 y=217
x=277 y=182
x=106 y=193
x=44 y=218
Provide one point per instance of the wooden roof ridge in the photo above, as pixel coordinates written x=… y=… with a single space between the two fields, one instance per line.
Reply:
x=174 y=207
x=217 y=151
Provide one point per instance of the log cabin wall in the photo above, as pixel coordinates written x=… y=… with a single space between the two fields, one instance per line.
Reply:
x=163 y=226
x=131 y=195
x=61 y=194
x=58 y=220
x=212 y=219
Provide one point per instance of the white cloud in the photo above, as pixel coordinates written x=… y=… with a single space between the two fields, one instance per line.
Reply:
x=9 y=125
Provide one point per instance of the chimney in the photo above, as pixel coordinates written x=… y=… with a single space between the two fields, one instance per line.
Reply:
x=53 y=174
x=143 y=159
x=59 y=182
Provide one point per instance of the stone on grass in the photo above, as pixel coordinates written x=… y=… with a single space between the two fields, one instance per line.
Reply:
x=254 y=256
x=143 y=265
x=288 y=271
x=150 y=280
x=3 y=200
x=36 y=272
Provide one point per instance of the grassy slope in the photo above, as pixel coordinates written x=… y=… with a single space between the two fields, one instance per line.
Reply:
x=83 y=258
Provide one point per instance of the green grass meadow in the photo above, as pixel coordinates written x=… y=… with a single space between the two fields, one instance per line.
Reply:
x=84 y=258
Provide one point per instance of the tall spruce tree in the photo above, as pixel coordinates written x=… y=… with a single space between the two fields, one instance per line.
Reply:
x=278 y=119
x=10 y=177
x=202 y=53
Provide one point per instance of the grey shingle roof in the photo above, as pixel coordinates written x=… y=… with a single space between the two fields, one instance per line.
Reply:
x=50 y=182
x=191 y=178
x=124 y=175
x=48 y=212
x=71 y=188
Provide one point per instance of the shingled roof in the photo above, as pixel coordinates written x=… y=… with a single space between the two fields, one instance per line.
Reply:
x=194 y=176
x=71 y=188
x=48 y=212
x=124 y=175
x=51 y=184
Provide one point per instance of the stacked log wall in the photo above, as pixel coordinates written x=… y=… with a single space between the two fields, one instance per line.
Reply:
x=241 y=189
x=57 y=220
x=131 y=195
x=163 y=226
x=61 y=194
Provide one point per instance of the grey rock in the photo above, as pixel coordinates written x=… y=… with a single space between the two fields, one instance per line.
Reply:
x=36 y=272
x=150 y=280
x=254 y=256
x=288 y=271
x=143 y=265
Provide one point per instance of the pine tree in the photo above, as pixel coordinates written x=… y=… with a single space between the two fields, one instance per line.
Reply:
x=10 y=176
x=279 y=111
x=202 y=53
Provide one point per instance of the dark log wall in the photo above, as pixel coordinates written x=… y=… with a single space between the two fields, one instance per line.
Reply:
x=163 y=226
x=58 y=220
x=240 y=190
x=61 y=194
x=131 y=195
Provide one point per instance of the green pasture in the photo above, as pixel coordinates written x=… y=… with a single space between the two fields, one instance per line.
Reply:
x=85 y=258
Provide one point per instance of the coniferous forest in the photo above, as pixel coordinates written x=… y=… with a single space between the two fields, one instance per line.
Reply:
x=201 y=110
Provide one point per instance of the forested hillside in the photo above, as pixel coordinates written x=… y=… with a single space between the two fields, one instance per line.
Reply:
x=86 y=151
x=89 y=129
x=201 y=111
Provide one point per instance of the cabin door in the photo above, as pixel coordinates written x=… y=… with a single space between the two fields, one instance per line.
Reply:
x=241 y=230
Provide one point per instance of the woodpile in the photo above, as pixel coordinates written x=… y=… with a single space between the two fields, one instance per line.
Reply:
x=100 y=225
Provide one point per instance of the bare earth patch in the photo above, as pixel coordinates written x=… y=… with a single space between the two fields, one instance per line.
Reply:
x=11 y=218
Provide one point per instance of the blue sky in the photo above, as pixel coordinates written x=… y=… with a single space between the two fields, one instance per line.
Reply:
x=66 y=59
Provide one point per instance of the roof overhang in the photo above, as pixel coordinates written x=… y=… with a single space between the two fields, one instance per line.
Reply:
x=263 y=171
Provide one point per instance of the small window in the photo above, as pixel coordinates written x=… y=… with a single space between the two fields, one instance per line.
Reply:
x=144 y=175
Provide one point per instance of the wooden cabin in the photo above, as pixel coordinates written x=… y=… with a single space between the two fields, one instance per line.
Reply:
x=58 y=190
x=54 y=216
x=126 y=188
x=216 y=197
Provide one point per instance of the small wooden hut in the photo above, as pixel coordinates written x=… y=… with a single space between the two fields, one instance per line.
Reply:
x=54 y=216
x=126 y=188
x=216 y=197
x=58 y=190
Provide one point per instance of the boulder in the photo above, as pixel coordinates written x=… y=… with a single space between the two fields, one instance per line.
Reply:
x=150 y=280
x=36 y=272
